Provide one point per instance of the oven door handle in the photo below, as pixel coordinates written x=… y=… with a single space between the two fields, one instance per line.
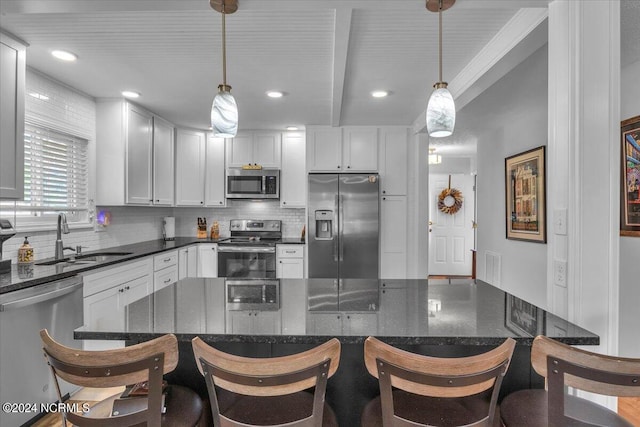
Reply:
x=249 y=249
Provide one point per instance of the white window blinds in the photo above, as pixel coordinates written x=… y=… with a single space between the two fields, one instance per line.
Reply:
x=55 y=173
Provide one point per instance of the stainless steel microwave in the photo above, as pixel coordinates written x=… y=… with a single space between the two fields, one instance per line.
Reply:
x=253 y=183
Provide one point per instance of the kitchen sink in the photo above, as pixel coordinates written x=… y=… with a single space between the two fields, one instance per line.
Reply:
x=92 y=258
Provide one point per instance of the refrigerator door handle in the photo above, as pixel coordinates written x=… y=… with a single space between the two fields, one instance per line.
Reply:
x=341 y=224
x=336 y=236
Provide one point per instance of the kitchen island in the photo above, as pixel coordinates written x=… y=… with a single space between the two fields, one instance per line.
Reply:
x=261 y=319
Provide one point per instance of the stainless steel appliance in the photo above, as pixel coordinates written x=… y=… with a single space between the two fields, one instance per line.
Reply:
x=343 y=226
x=250 y=252
x=6 y=232
x=253 y=294
x=24 y=374
x=253 y=183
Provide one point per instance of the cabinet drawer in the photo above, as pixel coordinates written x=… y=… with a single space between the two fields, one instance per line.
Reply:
x=165 y=259
x=290 y=251
x=108 y=277
x=165 y=277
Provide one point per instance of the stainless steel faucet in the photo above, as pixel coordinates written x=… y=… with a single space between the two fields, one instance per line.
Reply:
x=63 y=227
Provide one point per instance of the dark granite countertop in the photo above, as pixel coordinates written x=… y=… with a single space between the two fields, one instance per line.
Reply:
x=308 y=311
x=27 y=275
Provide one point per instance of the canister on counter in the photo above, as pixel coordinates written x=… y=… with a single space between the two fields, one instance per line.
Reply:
x=25 y=252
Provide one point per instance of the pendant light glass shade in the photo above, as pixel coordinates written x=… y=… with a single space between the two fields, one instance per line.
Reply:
x=224 y=113
x=441 y=113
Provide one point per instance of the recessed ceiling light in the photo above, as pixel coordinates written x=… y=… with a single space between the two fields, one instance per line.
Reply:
x=39 y=96
x=292 y=127
x=275 y=94
x=130 y=94
x=64 y=55
x=379 y=93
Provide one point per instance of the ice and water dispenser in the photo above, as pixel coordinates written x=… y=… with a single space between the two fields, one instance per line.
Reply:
x=324 y=225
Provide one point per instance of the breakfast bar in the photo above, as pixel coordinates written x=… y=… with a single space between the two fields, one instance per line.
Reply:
x=262 y=318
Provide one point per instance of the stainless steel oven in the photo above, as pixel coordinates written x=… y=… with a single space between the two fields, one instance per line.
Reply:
x=250 y=252
x=253 y=294
x=253 y=184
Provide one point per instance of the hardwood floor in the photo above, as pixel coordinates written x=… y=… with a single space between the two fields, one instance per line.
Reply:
x=629 y=408
x=89 y=395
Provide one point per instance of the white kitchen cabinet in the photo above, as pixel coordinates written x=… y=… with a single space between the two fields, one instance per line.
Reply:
x=290 y=261
x=12 y=92
x=348 y=149
x=393 y=311
x=253 y=322
x=293 y=175
x=165 y=269
x=207 y=260
x=393 y=237
x=256 y=148
x=106 y=293
x=190 y=167
x=215 y=172
x=393 y=161
x=134 y=156
x=187 y=262
x=342 y=323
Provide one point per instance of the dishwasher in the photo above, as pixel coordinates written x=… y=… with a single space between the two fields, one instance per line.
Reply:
x=24 y=374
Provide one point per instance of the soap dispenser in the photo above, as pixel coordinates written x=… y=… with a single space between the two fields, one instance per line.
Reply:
x=25 y=252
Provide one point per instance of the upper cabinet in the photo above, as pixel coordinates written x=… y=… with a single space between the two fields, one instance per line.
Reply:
x=215 y=172
x=190 y=167
x=12 y=91
x=348 y=149
x=293 y=180
x=393 y=161
x=134 y=156
x=261 y=148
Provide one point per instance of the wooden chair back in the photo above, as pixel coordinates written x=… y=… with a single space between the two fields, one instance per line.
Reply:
x=563 y=365
x=147 y=361
x=264 y=377
x=435 y=376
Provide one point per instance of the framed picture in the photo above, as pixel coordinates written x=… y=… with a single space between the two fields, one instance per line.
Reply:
x=523 y=318
x=526 y=210
x=630 y=185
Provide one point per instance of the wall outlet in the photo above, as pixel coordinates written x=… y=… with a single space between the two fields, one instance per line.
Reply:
x=560 y=222
x=560 y=273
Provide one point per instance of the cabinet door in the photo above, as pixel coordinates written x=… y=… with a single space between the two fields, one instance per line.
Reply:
x=360 y=150
x=12 y=88
x=293 y=180
x=183 y=263
x=207 y=260
x=393 y=161
x=139 y=140
x=103 y=310
x=393 y=241
x=324 y=323
x=163 y=173
x=215 y=172
x=290 y=268
x=393 y=312
x=240 y=150
x=239 y=322
x=324 y=150
x=360 y=323
x=267 y=322
x=267 y=149
x=190 y=160
x=138 y=319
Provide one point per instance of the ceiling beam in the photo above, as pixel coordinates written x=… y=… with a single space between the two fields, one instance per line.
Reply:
x=341 y=37
x=515 y=42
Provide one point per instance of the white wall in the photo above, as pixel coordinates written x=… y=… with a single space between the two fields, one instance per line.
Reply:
x=453 y=165
x=629 y=246
x=511 y=117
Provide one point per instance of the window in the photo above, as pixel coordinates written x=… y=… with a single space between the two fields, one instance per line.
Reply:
x=55 y=178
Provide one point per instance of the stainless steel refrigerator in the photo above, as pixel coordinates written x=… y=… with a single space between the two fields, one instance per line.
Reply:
x=343 y=226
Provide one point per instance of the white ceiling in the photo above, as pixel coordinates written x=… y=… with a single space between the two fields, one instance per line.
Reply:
x=326 y=55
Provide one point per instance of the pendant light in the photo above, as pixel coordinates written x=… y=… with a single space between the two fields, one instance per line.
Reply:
x=224 y=110
x=441 y=110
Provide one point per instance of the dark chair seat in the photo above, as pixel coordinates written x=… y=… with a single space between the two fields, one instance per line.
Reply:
x=432 y=410
x=276 y=410
x=528 y=408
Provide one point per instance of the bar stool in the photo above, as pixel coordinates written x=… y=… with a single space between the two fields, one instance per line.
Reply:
x=563 y=366
x=269 y=391
x=147 y=361
x=418 y=390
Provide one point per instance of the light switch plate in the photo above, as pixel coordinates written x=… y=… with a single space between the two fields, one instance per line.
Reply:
x=560 y=221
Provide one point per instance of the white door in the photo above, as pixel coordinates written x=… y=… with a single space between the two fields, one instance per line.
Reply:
x=451 y=235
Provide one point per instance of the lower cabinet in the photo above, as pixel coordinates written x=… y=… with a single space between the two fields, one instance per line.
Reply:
x=187 y=262
x=107 y=292
x=290 y=261
x=253 y=322
x=342 y=323
x=207 y=260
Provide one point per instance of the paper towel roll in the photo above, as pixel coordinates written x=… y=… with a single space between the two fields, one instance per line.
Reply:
x=169 y=228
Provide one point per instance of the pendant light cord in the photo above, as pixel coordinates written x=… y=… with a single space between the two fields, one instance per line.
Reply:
x=224 y=48
x=440 y=37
